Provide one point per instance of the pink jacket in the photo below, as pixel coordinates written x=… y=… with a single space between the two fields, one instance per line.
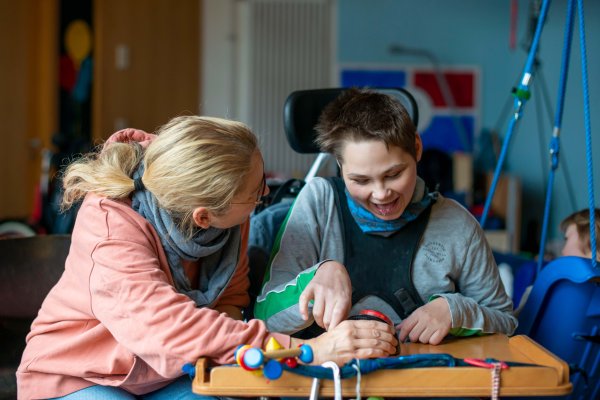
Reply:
x=115 y=318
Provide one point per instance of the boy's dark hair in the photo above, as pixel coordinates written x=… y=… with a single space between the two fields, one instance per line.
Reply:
x=361 y=114
x=581 y=220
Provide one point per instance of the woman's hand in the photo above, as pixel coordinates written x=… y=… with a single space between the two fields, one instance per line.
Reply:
x=233 y=311
x=429 y=323
x=354 y=339
x=331 y=291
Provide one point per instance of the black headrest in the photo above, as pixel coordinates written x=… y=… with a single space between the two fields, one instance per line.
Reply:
x=302 y=109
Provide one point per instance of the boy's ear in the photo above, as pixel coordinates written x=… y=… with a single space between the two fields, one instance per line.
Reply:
x=201 y=217
x=418 y=147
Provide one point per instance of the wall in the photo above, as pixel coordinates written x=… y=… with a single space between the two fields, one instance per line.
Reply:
x=219 y=61
x=477 y=32
x=460 y=32
x=257 y=53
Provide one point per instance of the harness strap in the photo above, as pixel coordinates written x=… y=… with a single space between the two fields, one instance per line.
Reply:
x=383 y=266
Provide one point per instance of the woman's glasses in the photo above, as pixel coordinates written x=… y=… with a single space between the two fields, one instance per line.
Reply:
x=259 y=197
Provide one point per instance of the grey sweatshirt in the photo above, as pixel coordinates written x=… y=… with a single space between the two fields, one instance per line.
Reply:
x=453 y=261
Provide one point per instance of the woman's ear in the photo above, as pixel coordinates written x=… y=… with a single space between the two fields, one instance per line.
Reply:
x=201 y=217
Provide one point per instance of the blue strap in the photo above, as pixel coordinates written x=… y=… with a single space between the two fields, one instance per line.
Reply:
x=400 y=362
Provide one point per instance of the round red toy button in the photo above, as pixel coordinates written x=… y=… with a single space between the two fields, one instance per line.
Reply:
x=377 y=314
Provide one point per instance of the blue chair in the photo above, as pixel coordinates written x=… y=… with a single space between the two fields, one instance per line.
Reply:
x=562 y=314
x=524 y=270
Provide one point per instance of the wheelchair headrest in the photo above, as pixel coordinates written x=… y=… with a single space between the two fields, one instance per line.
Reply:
x=302 y=109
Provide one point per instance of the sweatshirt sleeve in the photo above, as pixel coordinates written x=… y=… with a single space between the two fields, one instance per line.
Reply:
x=129 y=135
x=236 y=292
x=306 y=239
x=132 y=297
x=482 y=305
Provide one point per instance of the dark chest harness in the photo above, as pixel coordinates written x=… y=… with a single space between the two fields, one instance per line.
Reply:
x=378 y=265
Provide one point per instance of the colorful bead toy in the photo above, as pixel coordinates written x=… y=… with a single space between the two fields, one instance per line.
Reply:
x=252 y=358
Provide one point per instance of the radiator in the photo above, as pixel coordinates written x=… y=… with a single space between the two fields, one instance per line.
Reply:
x=285 y=45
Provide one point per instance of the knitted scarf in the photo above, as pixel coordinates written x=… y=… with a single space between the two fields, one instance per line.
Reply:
x=218 y=248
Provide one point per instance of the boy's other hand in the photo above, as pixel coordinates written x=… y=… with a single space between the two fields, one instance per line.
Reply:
x=429 y=323
x=331 y=292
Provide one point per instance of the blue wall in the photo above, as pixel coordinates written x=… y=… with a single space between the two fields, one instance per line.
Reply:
x=475 y=32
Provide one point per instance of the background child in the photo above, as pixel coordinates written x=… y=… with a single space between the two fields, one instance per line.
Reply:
x=576 y=228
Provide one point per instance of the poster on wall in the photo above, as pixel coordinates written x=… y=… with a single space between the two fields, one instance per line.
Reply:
x=447 y=98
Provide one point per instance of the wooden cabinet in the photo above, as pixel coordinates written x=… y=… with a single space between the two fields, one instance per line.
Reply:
x=148 y=63
x=506 y=204
x=146 y=56
x=28 y=103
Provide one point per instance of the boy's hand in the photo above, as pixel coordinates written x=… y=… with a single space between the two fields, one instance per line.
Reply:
x=331 y=292
x=429 y=323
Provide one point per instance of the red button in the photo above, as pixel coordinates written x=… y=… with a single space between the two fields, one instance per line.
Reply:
x=377 y=314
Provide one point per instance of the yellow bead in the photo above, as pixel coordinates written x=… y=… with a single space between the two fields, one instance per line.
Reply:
x=273 y=344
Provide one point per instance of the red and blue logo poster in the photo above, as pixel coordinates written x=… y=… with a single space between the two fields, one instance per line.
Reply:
x=448 y=100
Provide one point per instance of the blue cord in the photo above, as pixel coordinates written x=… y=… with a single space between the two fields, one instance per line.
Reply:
x=521 y=96
x=566 y=55
x=588 y=132
x=526 y=79
x=490 y=196
x=540 y=261
x=555 y=142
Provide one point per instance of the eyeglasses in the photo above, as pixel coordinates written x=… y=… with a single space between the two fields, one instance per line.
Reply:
x=259 y=199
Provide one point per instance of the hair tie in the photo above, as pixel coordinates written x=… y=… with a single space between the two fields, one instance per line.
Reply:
x=138 y=185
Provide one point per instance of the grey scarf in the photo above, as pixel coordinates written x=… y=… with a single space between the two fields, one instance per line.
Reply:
x=218 y=248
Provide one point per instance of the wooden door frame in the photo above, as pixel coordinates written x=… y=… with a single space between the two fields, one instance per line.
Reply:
x=34 y=95
x=46 y=96
x=44 y=93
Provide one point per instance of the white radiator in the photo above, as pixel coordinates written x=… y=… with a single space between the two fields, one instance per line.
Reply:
x=283 y=45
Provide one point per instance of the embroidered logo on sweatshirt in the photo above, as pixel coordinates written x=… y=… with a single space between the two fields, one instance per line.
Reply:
x=435 y=252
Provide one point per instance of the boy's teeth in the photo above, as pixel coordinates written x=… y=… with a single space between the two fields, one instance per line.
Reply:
x=385 y=209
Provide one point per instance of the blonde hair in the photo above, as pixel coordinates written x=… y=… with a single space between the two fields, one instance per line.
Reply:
x=194 y=161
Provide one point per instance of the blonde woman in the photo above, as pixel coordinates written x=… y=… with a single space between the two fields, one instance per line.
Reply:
x=156 y=276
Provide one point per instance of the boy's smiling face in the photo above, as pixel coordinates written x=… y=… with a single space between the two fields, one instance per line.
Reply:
x=379 y=178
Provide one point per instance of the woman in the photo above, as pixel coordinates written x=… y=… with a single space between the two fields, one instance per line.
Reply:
x=156 y=273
